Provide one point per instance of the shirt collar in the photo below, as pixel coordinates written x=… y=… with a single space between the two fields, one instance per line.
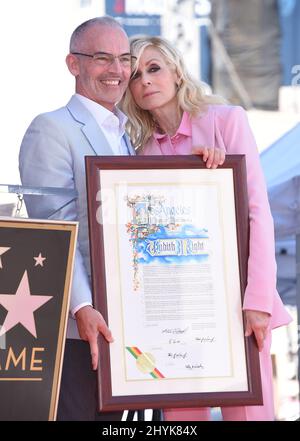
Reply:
x=185 y=128
x=100 y=113
x=121 y=117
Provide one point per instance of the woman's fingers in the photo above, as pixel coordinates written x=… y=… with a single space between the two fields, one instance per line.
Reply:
x=212 y=156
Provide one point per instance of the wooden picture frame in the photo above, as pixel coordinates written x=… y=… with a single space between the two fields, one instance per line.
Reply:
x=169 y=252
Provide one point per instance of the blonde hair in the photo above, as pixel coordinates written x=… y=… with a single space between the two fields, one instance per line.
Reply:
x=192 y=96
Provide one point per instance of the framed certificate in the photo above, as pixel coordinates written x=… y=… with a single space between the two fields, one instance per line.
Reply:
x=169 y=250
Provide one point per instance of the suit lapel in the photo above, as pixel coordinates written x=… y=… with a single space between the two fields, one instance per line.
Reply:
x=97 y=140
x=90 y=128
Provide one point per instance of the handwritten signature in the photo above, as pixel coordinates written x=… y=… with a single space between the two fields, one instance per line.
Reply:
x=177 y=355
x=194 y=366
x=205 y=339
x=174 y=330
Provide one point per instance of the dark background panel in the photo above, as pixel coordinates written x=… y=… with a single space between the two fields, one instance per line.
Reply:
x=30 y=400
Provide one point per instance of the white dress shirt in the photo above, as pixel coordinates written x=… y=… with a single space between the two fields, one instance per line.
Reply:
x=112 y=124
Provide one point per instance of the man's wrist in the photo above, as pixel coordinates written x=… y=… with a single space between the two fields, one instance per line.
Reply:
x=80 y=306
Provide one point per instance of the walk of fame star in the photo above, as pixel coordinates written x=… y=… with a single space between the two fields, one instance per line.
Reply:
x=21 y=307
x=39 y=260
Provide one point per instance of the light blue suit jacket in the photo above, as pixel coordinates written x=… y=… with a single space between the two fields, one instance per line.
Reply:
x=52 y=155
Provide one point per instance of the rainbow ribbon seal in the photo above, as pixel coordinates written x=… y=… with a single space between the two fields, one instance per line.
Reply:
x=145 y=362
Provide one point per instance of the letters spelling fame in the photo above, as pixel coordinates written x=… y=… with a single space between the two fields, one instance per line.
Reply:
x=35 y=268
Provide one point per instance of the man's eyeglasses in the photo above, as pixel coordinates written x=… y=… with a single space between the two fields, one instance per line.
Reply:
x=105 y=59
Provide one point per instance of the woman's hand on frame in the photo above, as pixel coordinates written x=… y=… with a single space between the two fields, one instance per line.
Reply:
x=212 y=156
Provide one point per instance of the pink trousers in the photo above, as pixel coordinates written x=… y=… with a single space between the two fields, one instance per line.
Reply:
x=237 y=413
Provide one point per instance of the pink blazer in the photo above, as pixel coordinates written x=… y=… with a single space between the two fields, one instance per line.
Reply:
x=227 y=127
